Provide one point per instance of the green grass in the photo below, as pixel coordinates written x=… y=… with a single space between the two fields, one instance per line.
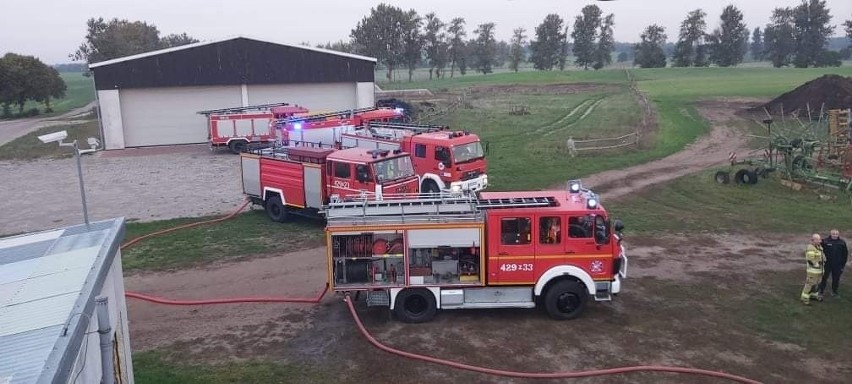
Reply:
x=517 y=162
x=697 y=204
x=79 y=92
x=157 y=367
x=781 y=317
x=28 y=147
x=247 y=234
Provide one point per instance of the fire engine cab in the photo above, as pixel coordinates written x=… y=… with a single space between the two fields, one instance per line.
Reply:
x=551 y=249
x=235 y=128
x=301 y=179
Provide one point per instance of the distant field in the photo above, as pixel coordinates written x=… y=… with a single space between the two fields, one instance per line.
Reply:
x=530 y=160
x=80 y=92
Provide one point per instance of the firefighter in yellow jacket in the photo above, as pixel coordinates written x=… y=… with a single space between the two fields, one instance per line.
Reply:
x=815 y=261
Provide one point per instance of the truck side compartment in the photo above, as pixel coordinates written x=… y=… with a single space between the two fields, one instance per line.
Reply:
x=250 y=167
x=288 y=176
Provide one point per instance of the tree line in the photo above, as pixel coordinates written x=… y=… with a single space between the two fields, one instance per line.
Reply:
x=795 y=36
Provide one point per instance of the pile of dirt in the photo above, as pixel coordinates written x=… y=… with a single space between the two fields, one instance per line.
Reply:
x=826 y=92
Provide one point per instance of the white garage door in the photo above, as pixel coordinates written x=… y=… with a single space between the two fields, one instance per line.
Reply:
x=332 y=96
x=164 y=116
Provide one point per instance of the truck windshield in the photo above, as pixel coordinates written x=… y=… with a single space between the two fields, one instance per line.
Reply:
x=392 y=169
x=467 y=152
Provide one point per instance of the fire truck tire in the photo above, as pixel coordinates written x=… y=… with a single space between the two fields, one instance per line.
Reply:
x=237 y=146
x=722 y=177
x=275 y=209
x=415 y=306
x=430 y=187
x=565 y=299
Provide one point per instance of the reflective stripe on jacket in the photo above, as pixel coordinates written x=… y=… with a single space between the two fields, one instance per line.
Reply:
x=815 y=259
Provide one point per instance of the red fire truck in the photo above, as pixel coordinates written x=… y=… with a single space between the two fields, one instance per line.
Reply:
x=551 y=249
x=236 y=127
x=445 y=160
x=301 y=179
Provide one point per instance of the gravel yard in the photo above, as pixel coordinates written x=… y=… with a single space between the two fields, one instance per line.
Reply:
x=139 y=184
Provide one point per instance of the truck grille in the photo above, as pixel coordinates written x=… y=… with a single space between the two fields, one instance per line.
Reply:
x=470 y=175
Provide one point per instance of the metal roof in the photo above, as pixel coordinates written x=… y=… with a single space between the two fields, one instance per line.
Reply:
x=203 y=43
x=47 y=285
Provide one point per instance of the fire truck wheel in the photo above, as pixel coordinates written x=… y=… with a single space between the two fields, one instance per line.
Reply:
x=565 y=300
x=237 y=146
x=722 y=177
x=275 y=209
x=415 y=306
x=430 y=187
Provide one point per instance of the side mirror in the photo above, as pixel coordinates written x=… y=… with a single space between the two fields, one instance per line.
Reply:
x=618 y=225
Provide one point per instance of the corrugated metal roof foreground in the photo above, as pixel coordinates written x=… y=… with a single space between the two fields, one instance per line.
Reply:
x=46 y=280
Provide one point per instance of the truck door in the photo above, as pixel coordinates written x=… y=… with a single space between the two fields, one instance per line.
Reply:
x=581 y=240
x=340 y=179
x=549 y=242
x=512 y=260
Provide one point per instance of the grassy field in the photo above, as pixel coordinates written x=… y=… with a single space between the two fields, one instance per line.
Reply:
x=697 y=204
x=80 y=91
x=673 y=92
x=28 y=147
x=248 y=234
x=157 y=367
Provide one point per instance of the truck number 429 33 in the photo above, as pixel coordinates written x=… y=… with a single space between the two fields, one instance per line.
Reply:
x=516 y=267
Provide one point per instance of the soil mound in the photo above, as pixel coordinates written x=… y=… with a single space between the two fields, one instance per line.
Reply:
x=826 y=92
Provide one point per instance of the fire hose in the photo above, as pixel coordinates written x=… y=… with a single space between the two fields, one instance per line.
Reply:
x=372 y=340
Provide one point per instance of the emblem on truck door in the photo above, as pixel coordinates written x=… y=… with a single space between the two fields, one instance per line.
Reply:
x=597 y=266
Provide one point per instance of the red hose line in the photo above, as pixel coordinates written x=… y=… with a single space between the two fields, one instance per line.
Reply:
x=190 y=225
x=232 y=300
x=537 y=375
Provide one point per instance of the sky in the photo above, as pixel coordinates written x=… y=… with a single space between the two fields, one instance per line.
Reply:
x=52 y=29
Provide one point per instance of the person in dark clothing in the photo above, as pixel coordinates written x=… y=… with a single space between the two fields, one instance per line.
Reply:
x=836 y=255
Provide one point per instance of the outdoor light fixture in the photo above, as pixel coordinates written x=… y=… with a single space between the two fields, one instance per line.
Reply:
x=58 y=137
x=574 y=186
x=592 y=202
x=297 y=126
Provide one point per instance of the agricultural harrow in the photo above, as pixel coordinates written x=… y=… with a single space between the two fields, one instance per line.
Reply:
x=811 y=155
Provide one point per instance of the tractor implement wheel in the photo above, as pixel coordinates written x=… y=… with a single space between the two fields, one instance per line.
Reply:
x=745 y=176
x=722 y=177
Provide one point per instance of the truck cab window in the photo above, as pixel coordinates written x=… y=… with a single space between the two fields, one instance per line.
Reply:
x=550 y=230
x=342 y=170
x=442 y=154
x=601 y=230
x=580 y=227
x=362 y=173
x=515 y=230
x=420 y=150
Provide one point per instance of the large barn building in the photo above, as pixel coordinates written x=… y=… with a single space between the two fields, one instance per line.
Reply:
x=153 y=98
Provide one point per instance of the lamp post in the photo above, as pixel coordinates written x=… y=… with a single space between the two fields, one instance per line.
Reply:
x=59 y=137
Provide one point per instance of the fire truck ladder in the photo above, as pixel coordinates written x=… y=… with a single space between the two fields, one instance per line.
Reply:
x=417 y=128
x=433 y=208
x=248 y=108
x=516 y=202
x=322 y=116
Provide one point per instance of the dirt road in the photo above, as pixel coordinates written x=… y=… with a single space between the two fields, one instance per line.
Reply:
x=691 y=328
x=12 y=129
x=706 y=152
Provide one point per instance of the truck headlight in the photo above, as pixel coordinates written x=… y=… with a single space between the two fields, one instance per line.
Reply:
x=484 y=180
x=455 y=188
